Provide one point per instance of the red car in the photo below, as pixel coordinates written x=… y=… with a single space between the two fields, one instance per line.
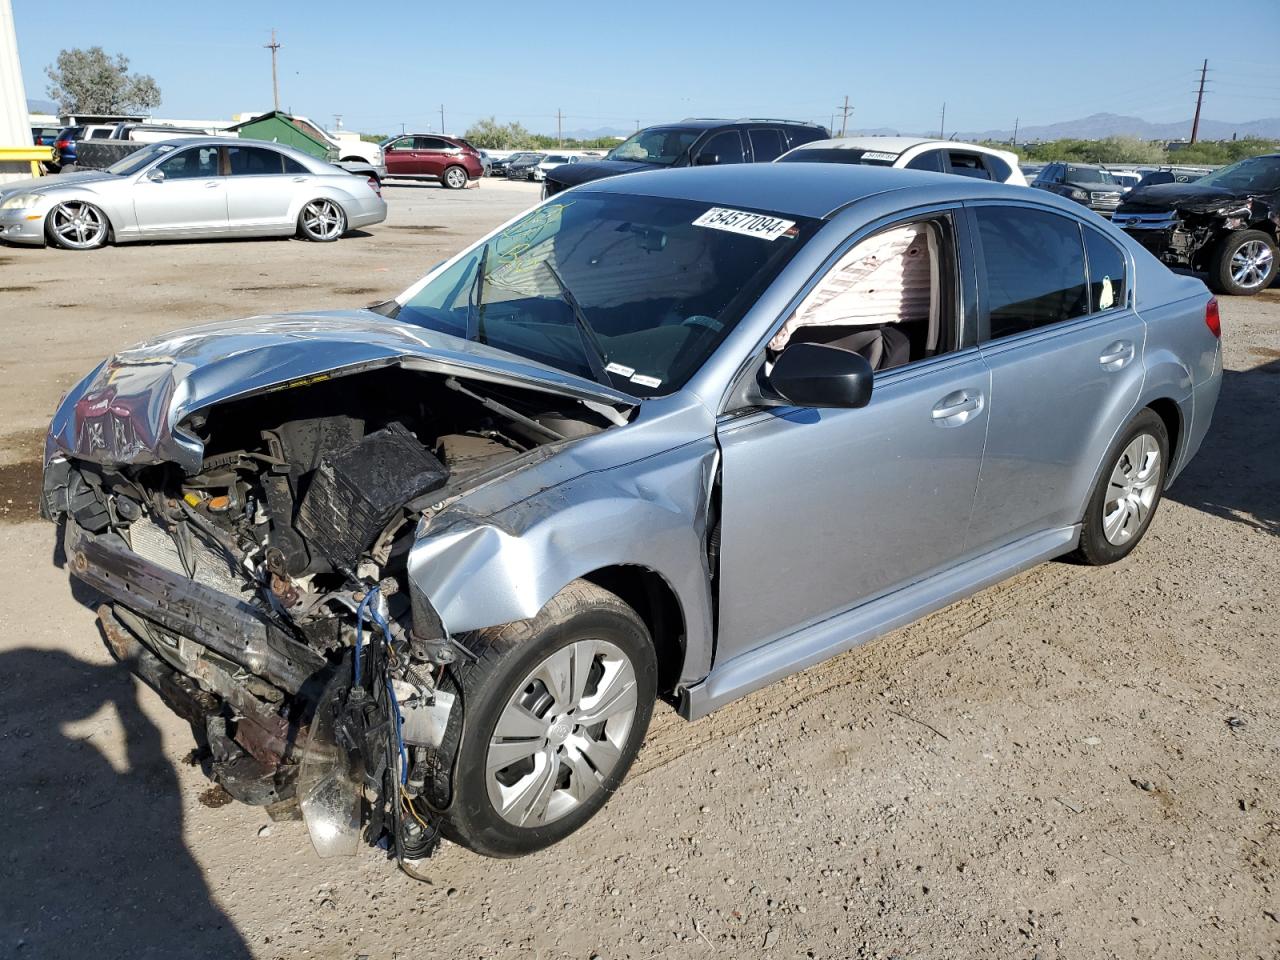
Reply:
x=416 y=156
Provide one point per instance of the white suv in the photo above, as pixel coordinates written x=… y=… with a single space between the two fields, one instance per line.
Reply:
x=913 y=153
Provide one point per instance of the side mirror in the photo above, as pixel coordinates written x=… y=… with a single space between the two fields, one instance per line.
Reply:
x=156 y=176
x=816 y=375
x=707 y=160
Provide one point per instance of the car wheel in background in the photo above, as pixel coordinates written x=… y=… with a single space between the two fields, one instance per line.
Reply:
x=1127 y=493
x=455 y=178
x=1244 y=263
x=77 y=225
x=555 y=710
x=322 y=220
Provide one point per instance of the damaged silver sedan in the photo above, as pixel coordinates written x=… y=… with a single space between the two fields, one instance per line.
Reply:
x=425 y=569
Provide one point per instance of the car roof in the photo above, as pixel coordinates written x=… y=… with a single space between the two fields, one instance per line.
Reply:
x=800 y=189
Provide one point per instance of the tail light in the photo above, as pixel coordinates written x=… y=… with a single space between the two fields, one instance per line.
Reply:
x=375 y=185
x=1211 y=318
x=62 y=144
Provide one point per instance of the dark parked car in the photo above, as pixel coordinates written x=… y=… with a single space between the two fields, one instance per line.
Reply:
x=689 y=143
x=498 y=166
x=44 y=136
x=450 y=161
x=1170 y=175
x=1225 y=224
x=1084 y=183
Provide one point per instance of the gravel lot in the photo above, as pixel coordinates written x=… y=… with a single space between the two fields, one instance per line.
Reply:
x=1076 y=763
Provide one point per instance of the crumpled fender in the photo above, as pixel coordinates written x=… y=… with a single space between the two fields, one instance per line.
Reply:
x=483 y=569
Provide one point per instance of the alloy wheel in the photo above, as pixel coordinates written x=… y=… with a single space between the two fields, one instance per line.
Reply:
x=322 y=220
x=1132 y=490
x=456 y=178
x=1251 y=263
x=78 y=225
x=561 y=733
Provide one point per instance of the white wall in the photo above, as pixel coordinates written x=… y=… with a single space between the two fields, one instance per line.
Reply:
x=14 y=129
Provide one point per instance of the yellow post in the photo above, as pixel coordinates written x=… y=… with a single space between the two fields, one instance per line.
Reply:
x=34 y=154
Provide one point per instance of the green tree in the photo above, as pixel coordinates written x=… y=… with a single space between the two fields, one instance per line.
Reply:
x=373 y=137
x=491 y=135
x=89 y=81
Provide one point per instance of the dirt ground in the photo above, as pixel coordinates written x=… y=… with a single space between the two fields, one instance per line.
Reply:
x=1077 y=763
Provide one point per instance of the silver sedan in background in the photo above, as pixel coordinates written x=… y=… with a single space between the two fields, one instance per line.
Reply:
x=189 y=189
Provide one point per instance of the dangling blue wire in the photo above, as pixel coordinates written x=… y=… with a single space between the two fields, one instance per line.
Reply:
x=355 y=671
x=370 y=602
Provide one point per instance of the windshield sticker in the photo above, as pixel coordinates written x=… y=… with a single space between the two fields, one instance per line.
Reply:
x=748 y=224
x=620 y=370
x=877 y=155
x=640 y=380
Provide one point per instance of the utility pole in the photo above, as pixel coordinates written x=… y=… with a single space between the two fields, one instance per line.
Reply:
x=942 y=125
x=274 y=47
x=442 y=119
x=637 y=126
x=559 y=124
x=402 y=128
x=337 y=121
x=1195 y=124
x=844 y=116
x=1015 y=130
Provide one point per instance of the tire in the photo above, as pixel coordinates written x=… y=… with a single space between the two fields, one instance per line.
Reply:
x=454 y=178
x=321 y=220
x=77 y=225
x=553 y=775
x=1127 y=493
x=1244 y=263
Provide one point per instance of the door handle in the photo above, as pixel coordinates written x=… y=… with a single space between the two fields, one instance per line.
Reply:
x=211 y=184
x=299 y=179
x=955 y=405
x=1117 y=354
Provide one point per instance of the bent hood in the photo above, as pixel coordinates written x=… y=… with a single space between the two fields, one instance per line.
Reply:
x=131 y=408
x=572 y=174
x=1191 y=197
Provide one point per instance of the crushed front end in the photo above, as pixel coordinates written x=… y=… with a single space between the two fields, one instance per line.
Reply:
x=251 y=566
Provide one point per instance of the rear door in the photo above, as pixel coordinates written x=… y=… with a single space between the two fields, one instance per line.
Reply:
x=434 y=154
x=767 y=144
x=1064 y=347
x=720 y=148
x=260 y=188
x=190 y=198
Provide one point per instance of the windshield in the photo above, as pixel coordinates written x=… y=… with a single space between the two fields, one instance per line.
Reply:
x=556 y=158
x=662 y=146
x=133 y=162
x=1257 y=174
x=1089 y=175
x=635 y=292
x=875 y=158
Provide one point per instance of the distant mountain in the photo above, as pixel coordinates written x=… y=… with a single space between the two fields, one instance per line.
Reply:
x=41 y=106
x=1113 y=125
x=595 y=134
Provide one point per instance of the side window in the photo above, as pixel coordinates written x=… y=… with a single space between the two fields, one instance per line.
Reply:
x=998 y=169
x=766 y=145
x=253 y=161
x=431 y=143
x=189 y=164
x=1107 y=283
x=293 y=166
x=966 y=165
x=890 y=297
x=929 y=160
x=1034 y=268
x=726 y=145
x=400 y=145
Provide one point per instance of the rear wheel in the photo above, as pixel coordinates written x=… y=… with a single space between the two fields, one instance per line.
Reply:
x=1128 y=491
x=322 y=221
x=77 y=225
x=555 y=710
x=455 y=178
x=1244 y=263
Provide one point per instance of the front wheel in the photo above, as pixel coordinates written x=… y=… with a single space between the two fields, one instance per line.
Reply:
x=1244 y=263
x=555 y=710
x=322 y=221
x=77 y=225
x=1127 y=493
x=455 y=178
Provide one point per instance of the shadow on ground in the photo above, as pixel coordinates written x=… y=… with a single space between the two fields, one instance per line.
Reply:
x=1236 y=474
x=93 y=863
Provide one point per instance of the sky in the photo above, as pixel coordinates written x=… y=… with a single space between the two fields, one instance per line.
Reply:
x=622 y=64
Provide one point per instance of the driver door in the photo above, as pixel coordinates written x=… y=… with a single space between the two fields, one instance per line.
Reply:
x=826 y=509
x=190 y=198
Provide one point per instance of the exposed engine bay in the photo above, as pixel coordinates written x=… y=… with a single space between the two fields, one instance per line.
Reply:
x=265 y=595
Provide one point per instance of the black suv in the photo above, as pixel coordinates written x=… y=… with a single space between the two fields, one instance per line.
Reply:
x=1082 y=182
x=1225 y=224
x=690 y=143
